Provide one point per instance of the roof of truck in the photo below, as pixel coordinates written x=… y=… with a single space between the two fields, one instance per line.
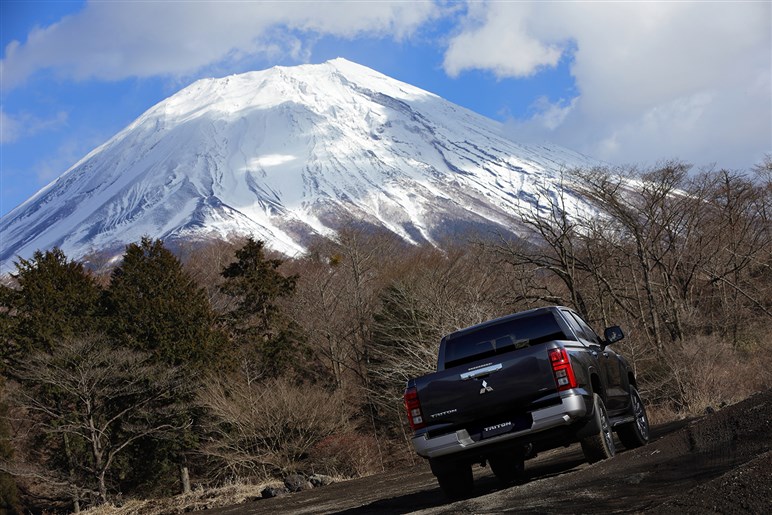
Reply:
x=502 y=320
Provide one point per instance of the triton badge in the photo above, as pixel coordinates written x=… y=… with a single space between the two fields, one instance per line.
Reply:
x=485 y=388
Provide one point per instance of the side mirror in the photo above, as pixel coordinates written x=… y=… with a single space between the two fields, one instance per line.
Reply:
x=612 y=334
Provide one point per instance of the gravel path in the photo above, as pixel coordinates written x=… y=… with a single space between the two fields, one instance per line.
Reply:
x=719 y=463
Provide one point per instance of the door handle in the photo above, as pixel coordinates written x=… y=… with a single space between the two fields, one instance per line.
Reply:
x=472 y=374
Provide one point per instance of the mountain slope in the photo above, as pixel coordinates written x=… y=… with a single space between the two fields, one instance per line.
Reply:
x=285 y=154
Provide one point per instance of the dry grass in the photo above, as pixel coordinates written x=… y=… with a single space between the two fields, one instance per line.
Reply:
x=662 y=414
x=198 y=499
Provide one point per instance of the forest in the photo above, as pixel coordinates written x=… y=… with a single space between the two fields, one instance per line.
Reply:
x=195 y=365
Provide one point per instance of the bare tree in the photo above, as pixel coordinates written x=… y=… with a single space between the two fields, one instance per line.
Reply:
x=647 y=225
x=434 y=295
x=738 y=258
x=682 y=256
x=337 y=297
x=263 y=428
x=97 y=399
x=552 y=245
x=204 y=261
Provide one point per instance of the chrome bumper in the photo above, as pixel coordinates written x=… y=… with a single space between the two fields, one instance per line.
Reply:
x=571 y=408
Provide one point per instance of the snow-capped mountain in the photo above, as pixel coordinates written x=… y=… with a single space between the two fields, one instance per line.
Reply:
x=284 y=154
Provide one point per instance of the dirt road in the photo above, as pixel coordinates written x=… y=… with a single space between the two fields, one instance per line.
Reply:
x=719 y=463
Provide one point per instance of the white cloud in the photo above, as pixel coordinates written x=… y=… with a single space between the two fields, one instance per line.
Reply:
x=656 y=80
x=551 y=115
x=9 y=128
x=13 y=128
x=114 y=40
x=499 y=37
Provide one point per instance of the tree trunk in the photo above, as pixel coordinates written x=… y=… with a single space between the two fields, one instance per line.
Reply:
x=70 y=469
x=184 y=479
x=102 y=487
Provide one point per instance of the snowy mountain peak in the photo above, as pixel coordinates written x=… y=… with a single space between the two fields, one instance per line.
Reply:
x=285 y=154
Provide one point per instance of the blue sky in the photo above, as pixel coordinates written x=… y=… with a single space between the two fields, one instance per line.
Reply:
x=630 y=83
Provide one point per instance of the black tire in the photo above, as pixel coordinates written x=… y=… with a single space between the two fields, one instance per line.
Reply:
x=509 y=468
x=636 y=433
x=455 y=479
x=600 y=445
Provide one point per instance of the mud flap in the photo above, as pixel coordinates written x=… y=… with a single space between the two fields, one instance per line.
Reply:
x=590 y=427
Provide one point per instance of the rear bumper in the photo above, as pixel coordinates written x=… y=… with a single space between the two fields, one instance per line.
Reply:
x=572 y=408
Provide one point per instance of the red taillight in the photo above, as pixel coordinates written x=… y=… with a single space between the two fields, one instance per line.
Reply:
x=413 y=407
x=562 y=370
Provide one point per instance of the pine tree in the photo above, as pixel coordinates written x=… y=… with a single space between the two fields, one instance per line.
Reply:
x=155 y=306
x=259 y=328
x=55 y=298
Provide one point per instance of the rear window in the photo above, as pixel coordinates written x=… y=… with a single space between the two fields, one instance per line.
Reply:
x=501 y=338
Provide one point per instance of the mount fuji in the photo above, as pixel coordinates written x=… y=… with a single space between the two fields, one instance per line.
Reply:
x=287 y=154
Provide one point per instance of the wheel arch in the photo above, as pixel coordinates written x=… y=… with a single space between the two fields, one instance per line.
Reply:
x=597 y=385
x=631 y=380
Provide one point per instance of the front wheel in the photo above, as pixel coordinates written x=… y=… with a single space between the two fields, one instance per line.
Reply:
x=599 y=446
x=636 y=433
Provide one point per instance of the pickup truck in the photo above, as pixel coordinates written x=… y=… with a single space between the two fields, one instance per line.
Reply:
x=517 y=385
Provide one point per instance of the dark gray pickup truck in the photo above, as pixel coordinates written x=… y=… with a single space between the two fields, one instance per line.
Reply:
x=511 y=387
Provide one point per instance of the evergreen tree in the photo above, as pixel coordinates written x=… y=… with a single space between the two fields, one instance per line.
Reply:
x=256 y=324
x=9 y=497
x=55 y=298
x=155 y=306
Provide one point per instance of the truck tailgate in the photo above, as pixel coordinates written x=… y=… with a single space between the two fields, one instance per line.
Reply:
x=507 y=384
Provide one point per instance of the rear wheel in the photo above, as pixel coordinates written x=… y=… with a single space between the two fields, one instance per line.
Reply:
x=636 y=433
x=455 y=479
x=509 y=468
x=600 y=445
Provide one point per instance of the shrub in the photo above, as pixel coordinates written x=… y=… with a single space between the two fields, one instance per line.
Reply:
x=348 y=454
x=267 y=428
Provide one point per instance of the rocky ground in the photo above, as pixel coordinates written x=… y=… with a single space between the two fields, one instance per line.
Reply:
x=719 y=463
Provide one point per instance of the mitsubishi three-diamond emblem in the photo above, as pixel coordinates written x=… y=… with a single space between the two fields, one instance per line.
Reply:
x=485 y=388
